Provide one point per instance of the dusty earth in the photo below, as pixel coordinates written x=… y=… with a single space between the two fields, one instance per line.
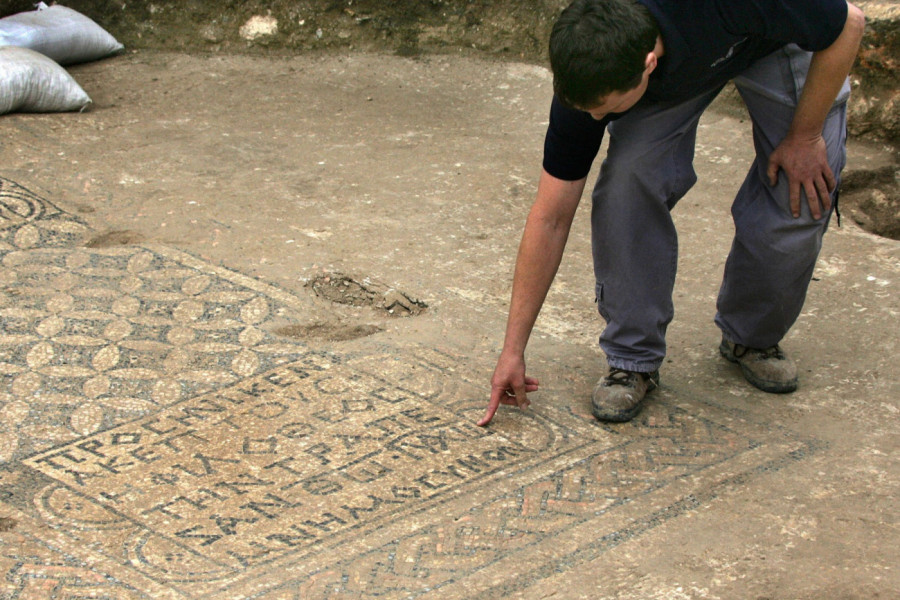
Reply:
x=388 y=193
x=510 y=30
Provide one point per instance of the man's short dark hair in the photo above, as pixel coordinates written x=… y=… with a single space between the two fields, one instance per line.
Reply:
x=598 y=47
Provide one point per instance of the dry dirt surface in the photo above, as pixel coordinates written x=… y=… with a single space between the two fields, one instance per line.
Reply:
x=511 y=30
x=333 y=237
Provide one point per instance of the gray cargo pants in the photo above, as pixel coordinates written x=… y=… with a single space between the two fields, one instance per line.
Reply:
x=648 y=168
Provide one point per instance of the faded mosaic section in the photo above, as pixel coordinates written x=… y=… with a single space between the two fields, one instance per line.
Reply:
x=29 y=221
x=33 y=570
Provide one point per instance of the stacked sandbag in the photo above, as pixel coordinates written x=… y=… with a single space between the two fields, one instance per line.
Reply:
x=65 y=35
x=34 y=44
x=31 y=82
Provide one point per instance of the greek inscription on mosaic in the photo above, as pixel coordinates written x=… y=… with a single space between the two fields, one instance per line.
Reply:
x=256 y=470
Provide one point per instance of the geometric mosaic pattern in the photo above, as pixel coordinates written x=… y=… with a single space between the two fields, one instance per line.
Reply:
x=158 y=441
x=92 y=337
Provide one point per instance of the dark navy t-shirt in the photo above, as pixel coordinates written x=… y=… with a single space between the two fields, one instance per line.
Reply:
x=707 y=43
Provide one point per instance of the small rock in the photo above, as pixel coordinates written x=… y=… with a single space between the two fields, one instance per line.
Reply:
x=879 y=198
x=394 y=299
x=212 y=33
x=259 y=26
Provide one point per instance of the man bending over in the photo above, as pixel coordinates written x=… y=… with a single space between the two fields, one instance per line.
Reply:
x=644 y=71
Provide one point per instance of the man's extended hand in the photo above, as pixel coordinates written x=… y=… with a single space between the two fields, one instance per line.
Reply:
x=805 y=162
x=509 y=385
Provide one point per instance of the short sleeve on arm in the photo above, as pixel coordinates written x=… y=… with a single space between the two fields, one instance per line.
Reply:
x=811 y=24
x=572 y=142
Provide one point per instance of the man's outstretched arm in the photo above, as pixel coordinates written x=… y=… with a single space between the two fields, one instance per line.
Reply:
x=540 y=252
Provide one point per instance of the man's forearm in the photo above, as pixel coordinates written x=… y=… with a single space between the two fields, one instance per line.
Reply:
x=539 y=256
x=536 y=265
x=827 y=72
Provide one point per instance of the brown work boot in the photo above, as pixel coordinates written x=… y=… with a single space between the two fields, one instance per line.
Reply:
x=618 y=396
x=768 y=369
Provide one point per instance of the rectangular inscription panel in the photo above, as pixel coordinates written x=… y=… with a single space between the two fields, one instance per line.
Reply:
x=279 y=461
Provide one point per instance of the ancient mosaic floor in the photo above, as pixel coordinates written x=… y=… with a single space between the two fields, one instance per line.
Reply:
x=158 y=440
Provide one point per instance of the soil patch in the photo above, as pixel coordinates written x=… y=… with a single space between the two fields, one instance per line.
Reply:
x=329 y=332
x=873 y=200
x=343 y=289
x=111 y=239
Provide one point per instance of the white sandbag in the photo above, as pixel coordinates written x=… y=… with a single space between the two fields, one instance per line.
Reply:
x=61 y=33
x=31 y=82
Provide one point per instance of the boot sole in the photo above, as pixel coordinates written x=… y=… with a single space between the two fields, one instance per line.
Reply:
x=771 y=387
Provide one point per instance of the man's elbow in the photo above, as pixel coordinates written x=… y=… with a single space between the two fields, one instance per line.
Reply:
x=856 y=23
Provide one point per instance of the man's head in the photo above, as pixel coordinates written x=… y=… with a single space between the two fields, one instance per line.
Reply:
x=601 y=49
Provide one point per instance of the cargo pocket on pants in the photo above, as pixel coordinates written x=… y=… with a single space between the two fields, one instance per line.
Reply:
x=598 y=298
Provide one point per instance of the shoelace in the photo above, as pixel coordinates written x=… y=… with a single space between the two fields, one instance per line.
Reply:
x=764 y=354
x=619 y=377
